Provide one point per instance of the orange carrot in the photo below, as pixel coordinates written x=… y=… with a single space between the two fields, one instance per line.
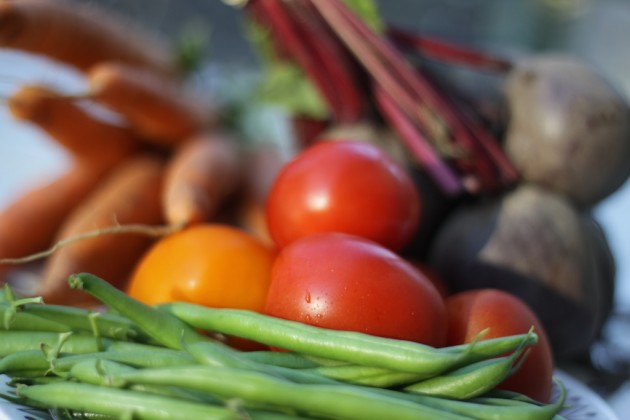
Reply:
x=30 y=223
x=158 y=108
x=80 y=132
x=80 y=35
x=129 y=196
x=262 y=165
x=200 y=178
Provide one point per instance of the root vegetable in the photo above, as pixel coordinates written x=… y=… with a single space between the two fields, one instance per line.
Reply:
x=72 y=126
x=533 y=243
x=130 y=195
x=201 y=176
x=30 y=223
x=157 y=107
x=80 y=35
x=569 y=128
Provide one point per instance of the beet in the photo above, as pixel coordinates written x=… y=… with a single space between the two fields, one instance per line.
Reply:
x=537 y=245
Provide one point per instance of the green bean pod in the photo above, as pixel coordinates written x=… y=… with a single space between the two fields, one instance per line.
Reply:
x=162 y=327
x=366 y=375
x=215 y=354
x=336 y=401
x=78 y=319
x=160 y=357
x=23 y=361
x=15 y=341
x=99 y=372
x=288 y=359
x=118 y=402
x=301 y=338
x=352 y=347
x=17 y=320
x=471 y=380
x=467 y=382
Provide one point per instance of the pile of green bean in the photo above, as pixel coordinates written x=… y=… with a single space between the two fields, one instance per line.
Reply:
x=138 y=361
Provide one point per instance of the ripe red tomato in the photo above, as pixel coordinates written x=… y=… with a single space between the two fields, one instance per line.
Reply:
x=345 y=282
x=473 y=311
x=344 y=186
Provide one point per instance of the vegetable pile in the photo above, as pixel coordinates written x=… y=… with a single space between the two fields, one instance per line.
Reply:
x=156 y=362
x=415 y=257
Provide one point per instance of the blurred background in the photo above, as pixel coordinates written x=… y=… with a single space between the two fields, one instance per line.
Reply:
x=596 y=30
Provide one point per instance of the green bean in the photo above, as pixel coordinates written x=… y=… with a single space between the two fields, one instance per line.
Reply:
x=117 y=402
x=13 y=319
x=337 y=401
x=466 y=382
x=33 y=380
x=14 y=341
x=472 y=380
x=79 y=319
x=3 y=295
x=30 y=373
x=366 y=375
x=289 y=359
x=99 y=372
x=162 y=327
x=214 y=354
x=24 y=360
x=353 y=347
x=159 y=357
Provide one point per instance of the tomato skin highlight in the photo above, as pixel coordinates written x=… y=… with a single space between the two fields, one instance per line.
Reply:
x=502 y=313
x=344 y=186
x=344 y=282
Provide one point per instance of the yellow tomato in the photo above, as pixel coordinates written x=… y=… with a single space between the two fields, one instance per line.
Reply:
x=210 y=264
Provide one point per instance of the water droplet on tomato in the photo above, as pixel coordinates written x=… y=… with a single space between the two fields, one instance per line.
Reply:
x=307 y=297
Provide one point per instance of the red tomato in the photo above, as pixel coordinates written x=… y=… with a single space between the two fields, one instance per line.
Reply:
x=345 y=282
x=344 y=186
x=504 y=314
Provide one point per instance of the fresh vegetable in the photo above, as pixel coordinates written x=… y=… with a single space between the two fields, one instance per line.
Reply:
x=130 y=196
x=503 y=314
x=532 y=243
x=345 y=282
x=159 y=108
x=569 y=127
x=210 y=264
x=80 y=132
x=81 y=35
x=344 y=186
x=30 y=223
x=344 y=346
x=204 y=173
x=115 y=402
x=204 y=375
x=163 y=328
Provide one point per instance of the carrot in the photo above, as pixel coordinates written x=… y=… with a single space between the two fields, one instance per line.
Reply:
x=30 y=223
x=203 y=174
x=157 y=107
x=81 y=35
x=80 y=132
x=129 y=196
x=262 y=165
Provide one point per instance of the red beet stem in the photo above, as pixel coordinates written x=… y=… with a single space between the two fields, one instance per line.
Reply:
x=445 y=51
x=333 y=59
x=286 y=33
x=439 y=171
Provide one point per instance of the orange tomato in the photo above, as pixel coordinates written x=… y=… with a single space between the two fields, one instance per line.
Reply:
x=209 y=264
